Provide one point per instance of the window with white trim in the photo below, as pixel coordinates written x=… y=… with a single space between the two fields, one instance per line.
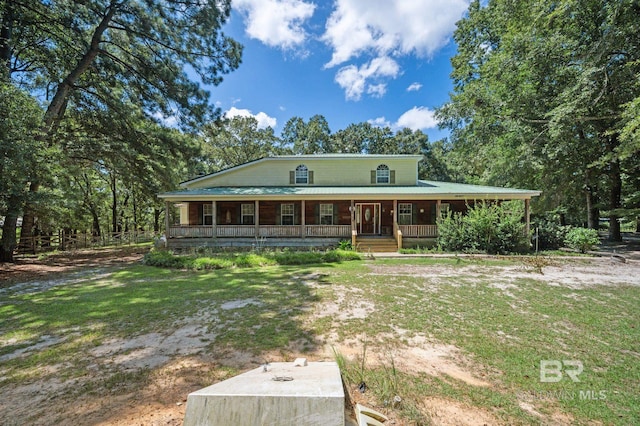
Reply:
x=248 y=214
x=302 y=174
x=286 y=214
x=207 y=214
x=445 y=208
x=405 y=213
x=382 y=174
x=326 y=214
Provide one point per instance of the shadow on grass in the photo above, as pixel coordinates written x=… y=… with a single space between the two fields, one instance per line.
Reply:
x=151 y=315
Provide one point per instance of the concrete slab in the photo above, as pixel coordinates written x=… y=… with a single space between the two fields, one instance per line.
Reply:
x=284 y=395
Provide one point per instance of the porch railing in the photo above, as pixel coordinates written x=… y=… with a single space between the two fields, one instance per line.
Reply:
x=235 y=231
x=288 y=231
x=280 y=231
x=419 y=230
x=328 y=230
x=191 y=231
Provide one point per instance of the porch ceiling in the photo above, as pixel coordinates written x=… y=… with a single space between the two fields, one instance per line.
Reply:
x=427 y=190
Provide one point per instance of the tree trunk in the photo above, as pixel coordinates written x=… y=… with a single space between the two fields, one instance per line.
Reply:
x=615 y=196
x=123 y=216
x=156 y=219
x=8 y=241
x=114 y=205
x=29 y=221
x=593 y=212
x=6 y=31
x=56 y=107
x=95 y=226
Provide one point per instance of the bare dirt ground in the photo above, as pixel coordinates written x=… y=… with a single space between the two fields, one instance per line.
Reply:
x=179 y=363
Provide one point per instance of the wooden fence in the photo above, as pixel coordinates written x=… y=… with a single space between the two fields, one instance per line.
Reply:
x=64 y=241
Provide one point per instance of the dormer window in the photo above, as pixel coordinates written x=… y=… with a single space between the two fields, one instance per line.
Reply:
x=382 y=174
x=302 y=174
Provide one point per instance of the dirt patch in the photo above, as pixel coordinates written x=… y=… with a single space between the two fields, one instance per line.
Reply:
x=572 y=273
x=444 y=412
x=172 y=365
x=30 y=268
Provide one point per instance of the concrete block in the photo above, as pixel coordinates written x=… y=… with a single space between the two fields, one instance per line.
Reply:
x=284 y=395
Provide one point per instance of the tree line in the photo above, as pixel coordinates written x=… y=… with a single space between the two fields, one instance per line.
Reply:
x=98 y=115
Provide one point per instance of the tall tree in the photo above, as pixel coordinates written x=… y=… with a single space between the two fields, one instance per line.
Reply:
x=235 y=141
x=110 y=55
x=312 y=137
x=540 y=93
x=21 y=152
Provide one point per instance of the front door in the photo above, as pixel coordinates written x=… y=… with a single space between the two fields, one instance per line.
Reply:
x=369 y=218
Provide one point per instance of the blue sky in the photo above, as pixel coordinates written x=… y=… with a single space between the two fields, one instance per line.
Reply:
x=386 y=62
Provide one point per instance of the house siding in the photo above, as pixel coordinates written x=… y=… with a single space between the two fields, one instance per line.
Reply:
x=325 y=172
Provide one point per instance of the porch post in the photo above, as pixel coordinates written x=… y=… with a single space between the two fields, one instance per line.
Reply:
x=214 y=219
x=353 y=224
x=395 y=213
x=352 y=209
x=527 y=217
x=257 y=217
x=438 y=213
x=303 y=224
x=167 y=227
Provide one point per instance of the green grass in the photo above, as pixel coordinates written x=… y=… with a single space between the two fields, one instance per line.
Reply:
x=503 y=326
x=511 y=332
x=167 y=259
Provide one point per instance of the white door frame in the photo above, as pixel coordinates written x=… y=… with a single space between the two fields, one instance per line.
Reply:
x=376 y=217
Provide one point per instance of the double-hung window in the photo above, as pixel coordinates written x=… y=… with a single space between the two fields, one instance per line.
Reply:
x=302 y=174
x=405 y=211
x=382 y=174
x=248 y=214
x=326 y=214
x=207 y=214
x=286 y=214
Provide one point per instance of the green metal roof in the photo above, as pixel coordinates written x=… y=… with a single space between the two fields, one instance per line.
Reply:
x=423 y=189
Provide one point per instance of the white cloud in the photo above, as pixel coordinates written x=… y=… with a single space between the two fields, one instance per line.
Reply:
x=414 y=87
x=263 y=119
x=276 y=23
x=354 y=80
x=377 y=90
x=386 y=27
x=380 y=122
x=383 y=29
x=417 y=118
x=169 y=120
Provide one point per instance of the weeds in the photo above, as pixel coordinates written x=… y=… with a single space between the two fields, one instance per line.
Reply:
x=390 y=388
x=167 y=259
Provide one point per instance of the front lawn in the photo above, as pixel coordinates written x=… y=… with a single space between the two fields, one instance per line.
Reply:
x=424 y=335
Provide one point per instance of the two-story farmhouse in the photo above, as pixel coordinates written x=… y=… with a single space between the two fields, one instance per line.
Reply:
x=376 y=201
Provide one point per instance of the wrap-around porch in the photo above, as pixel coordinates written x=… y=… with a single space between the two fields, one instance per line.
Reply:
x=309 y=219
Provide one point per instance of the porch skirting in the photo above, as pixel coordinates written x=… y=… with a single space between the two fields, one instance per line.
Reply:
x=253 y=243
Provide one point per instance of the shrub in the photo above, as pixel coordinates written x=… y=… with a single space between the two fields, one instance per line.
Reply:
x=582 y=239
x=251 y=260
x=345 y=245
x=489 y=228
x=551 y=235
x=206 y=263
x=166 y=259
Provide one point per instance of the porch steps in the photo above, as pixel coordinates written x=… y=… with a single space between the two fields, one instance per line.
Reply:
x=376 y=245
